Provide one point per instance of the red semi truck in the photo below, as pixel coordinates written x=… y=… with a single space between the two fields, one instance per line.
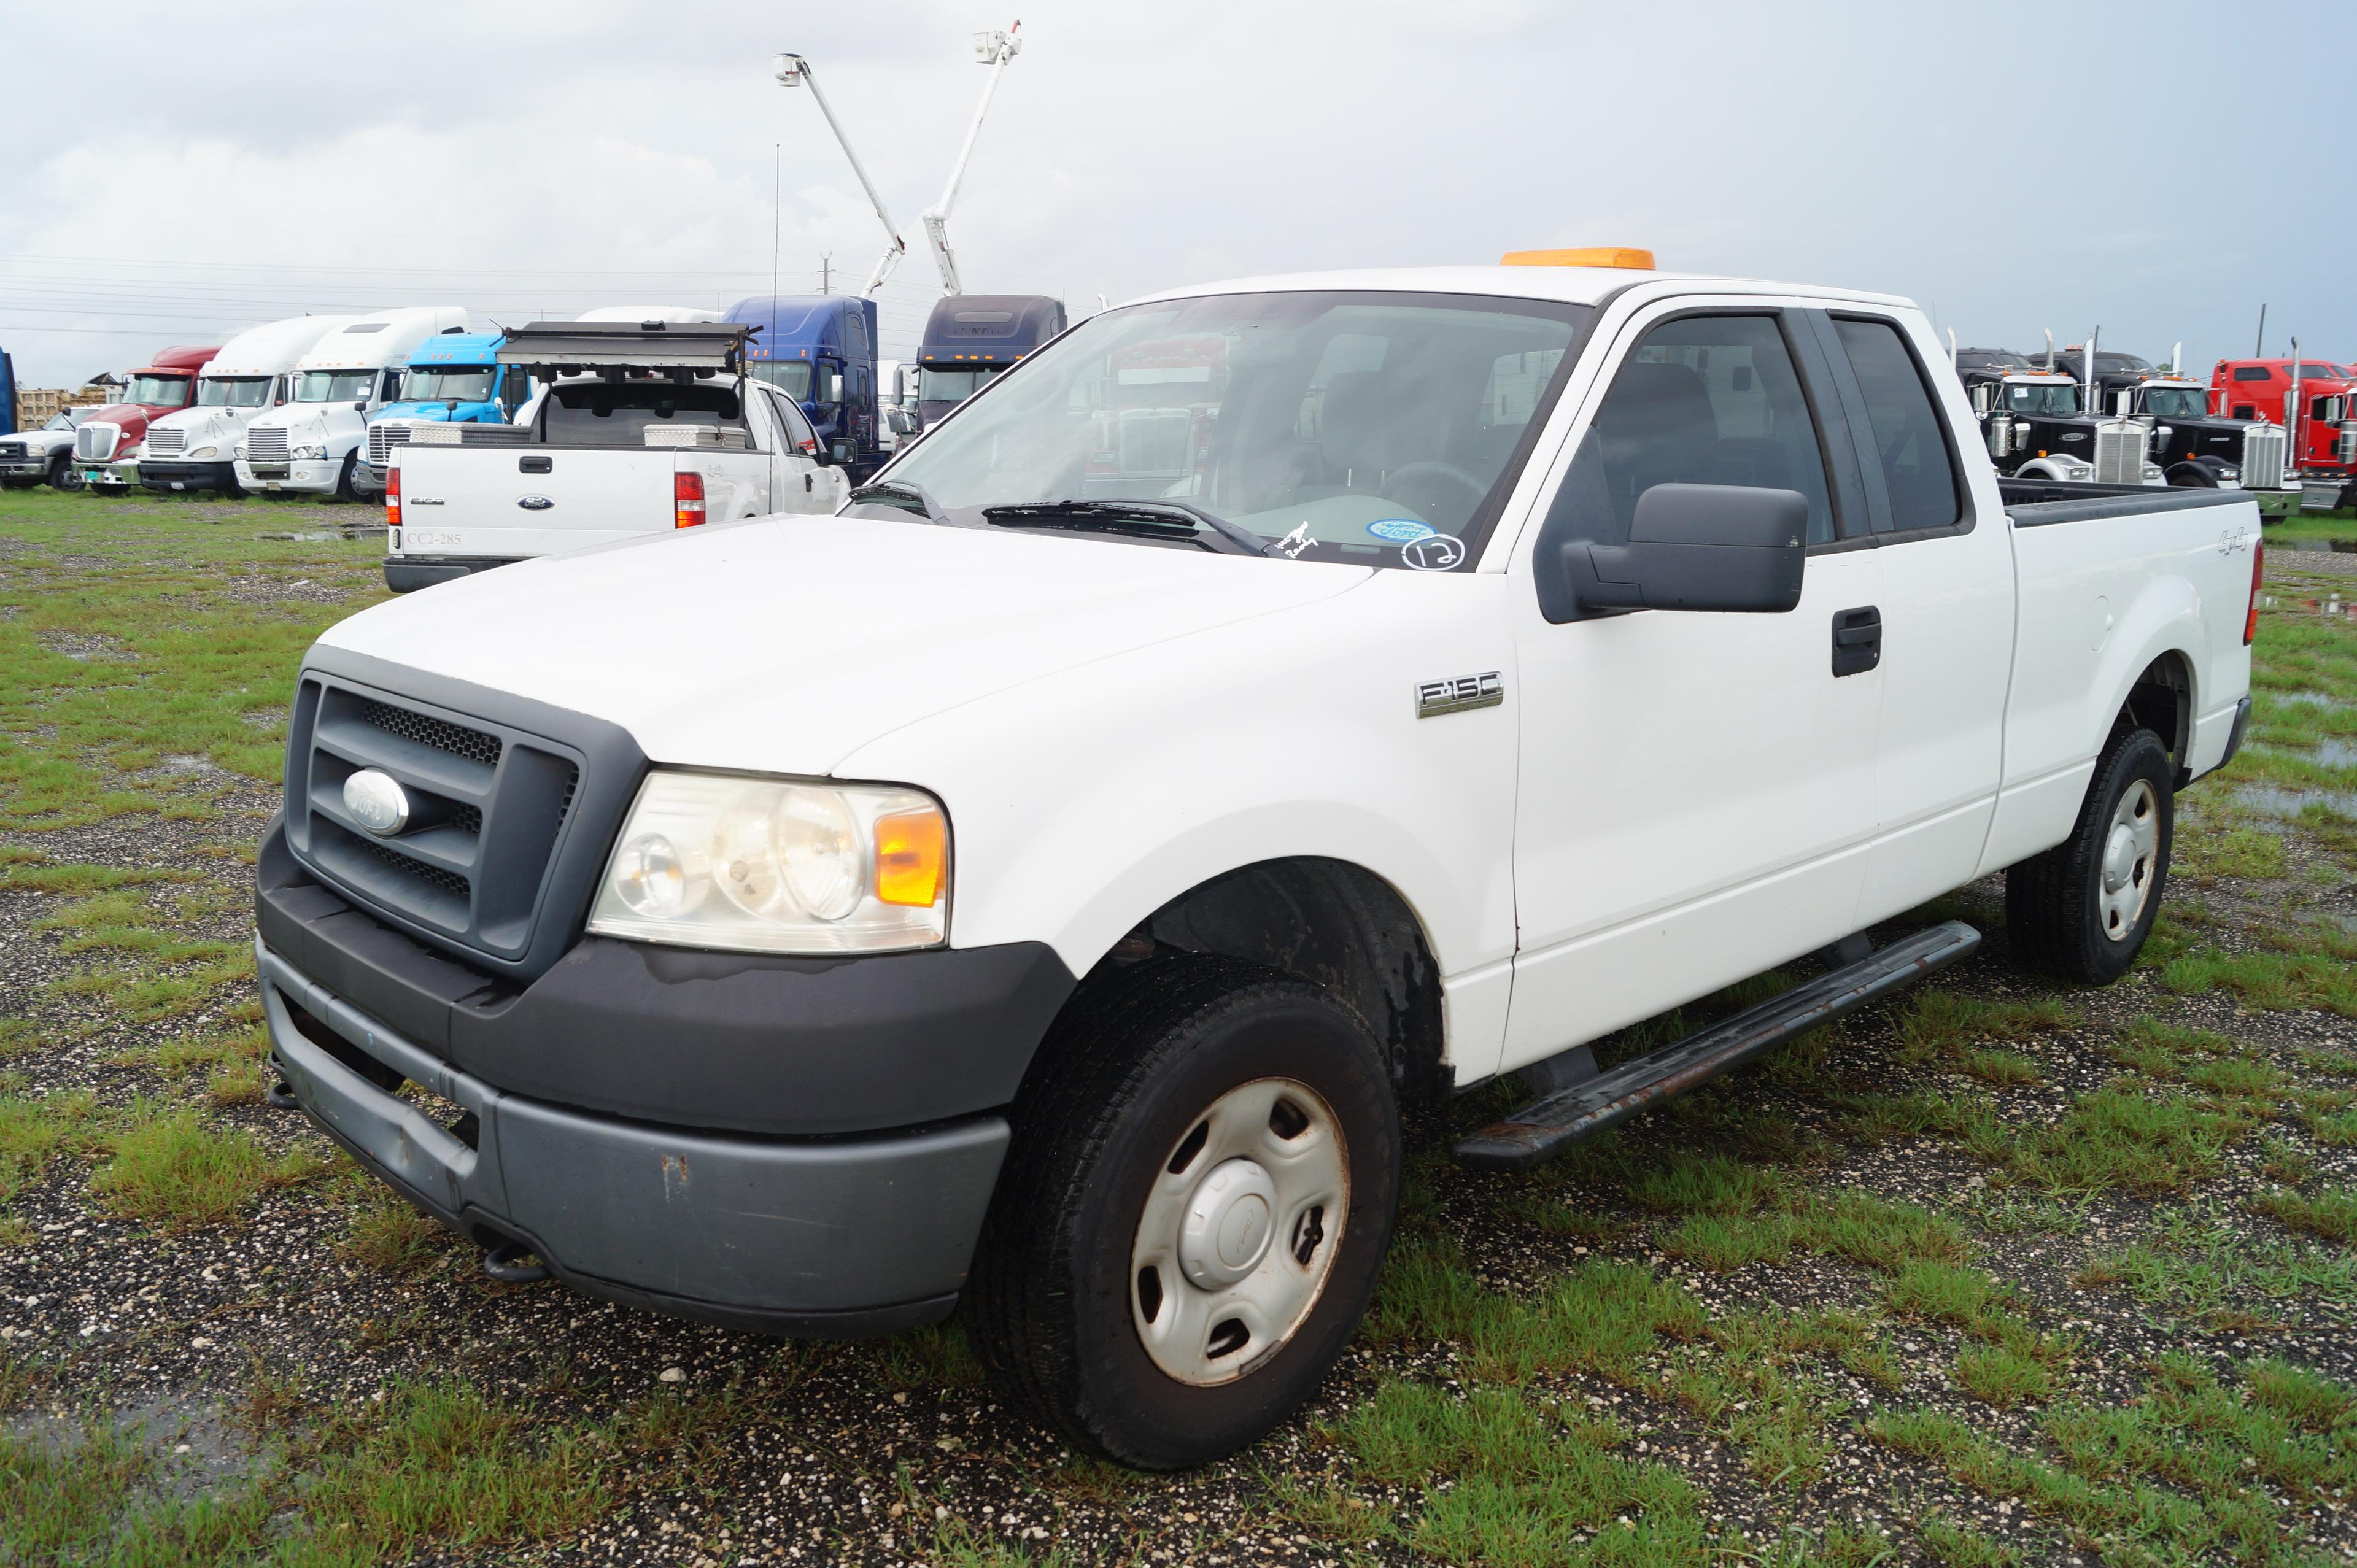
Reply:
x=106 y=446
x=2321 y=423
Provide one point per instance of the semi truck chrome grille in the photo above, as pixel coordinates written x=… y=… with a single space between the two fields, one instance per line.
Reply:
x=2263 y=457
x=382 y=438
x=166 y=443
x=265 y=444
x=94 y=442
x=471 y=861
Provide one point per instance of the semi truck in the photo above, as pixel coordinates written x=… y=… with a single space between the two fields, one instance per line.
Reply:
x=2035 y=423
x=820 y=350
x=106 y=444
x=972 y=338
x=2315 y=404
x=1047 y=889
x=450 y=379
x=7 y=395
x=196 y=448
x=313 y=444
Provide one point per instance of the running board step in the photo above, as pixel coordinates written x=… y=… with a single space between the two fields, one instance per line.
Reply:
x=1549 y=1125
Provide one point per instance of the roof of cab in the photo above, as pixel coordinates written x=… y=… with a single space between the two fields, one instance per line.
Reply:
x=458 y=349
x=274 y=347
x=1576 y=285
x=387 y=338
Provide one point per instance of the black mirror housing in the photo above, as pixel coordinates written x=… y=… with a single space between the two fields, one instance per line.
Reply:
x=1729 y=548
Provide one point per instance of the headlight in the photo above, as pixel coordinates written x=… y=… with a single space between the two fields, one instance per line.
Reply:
x=710 y=860
x=309 y=453
x=206 y=452
x=2231 y=474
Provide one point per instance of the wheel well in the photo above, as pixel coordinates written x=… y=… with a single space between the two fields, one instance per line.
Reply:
x=2193 y=475
x=2162 y=702
x=1328 y=922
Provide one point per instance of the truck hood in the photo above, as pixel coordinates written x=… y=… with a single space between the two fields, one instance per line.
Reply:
x=439 y=412
x=783 y=644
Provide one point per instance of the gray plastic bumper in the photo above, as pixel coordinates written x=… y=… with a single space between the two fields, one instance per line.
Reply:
x=802 y=1235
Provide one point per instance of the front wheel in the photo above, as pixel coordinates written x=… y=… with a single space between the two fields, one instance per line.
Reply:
x=64 y=475
x=2081 y=910
x=344 y=490
x=1193 y=1214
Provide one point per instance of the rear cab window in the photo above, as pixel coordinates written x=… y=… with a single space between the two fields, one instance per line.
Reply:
x=618 y=414
x=1910 y=447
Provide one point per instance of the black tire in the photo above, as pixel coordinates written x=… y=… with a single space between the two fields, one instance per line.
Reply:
x=64 y=475
x=1132 y=1066
x=344 y=490
x=2054 y=903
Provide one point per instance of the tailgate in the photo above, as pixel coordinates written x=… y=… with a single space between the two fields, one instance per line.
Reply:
x=508 y=502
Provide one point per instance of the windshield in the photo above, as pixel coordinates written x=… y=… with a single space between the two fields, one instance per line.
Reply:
x=617 y=413
x=953 y=386
x=2311 y=370
x=234 y=392
x=2176 y=403
x=60 y=422
x=789 y=377
x=171 y=391
x=432 y=386
x=1349 y=425
x=2041 y=397
x=335 y=386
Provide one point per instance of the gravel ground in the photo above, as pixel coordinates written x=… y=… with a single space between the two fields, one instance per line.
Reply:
x=221 y=1345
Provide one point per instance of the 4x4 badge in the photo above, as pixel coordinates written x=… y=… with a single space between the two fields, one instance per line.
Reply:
x=1434 y=698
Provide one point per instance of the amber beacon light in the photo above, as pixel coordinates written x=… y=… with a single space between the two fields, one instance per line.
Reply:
x=1585 y=256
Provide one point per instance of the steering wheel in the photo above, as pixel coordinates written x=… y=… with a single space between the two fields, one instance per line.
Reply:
x=1407 y=478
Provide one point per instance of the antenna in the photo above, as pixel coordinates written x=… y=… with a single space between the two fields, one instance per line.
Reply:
x=777 y=212
x=793 y=71
x=993 y=49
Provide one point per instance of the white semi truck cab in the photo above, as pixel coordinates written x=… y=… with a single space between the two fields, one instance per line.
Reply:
x=1041 y=889
x=312 y=445
x=196 y=448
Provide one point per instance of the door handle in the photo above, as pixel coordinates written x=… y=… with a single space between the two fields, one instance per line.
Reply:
x=1857 y=640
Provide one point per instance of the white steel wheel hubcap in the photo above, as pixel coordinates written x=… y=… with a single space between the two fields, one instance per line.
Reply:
x=1239 y=1231
x=2129 y=849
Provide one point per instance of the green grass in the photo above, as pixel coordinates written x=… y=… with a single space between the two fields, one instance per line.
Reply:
x=2331 y=1214
x=2196 y=1264
x=173 y=1170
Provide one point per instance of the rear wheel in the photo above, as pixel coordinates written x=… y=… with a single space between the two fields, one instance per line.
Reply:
x=2081 y=910
x=1193 y=1213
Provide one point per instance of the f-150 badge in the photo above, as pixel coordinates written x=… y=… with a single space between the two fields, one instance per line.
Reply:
x=1434 y=698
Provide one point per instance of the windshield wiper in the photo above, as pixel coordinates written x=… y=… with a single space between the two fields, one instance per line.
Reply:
x=900 y=493
x=1106 y=516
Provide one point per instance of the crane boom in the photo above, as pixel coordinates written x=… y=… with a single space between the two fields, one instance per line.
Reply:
x=792 y=68
x=993 y=49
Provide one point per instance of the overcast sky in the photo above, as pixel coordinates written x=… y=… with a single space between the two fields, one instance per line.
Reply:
x=172 y=173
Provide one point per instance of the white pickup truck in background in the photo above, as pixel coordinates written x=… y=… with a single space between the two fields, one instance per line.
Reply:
x=642 y=427
x=1039 y=891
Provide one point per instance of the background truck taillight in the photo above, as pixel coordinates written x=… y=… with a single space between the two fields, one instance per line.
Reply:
x=687 y=499
x=392 y=498
x=2258 y=567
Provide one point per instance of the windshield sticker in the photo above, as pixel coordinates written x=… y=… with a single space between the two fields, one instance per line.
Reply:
x=1294 y=543
x=1433 y=552
x=1401 y=530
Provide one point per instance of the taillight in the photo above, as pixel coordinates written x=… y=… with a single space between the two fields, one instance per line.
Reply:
x=2258 y=566
x=686 y=499
x=392 y=497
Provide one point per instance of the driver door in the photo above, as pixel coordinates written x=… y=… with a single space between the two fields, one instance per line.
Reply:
x=1695 y=797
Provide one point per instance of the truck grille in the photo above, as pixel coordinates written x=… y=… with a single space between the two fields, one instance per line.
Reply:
x=12 y=451
x=265 y=444
x=382 y=438
x=487 y=805
x=166 y=443
x=94 y=442
x=2263 y=457
x=2119 y=452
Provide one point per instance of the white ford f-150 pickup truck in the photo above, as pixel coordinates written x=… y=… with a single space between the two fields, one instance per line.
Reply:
x=1044 y=885
x=649 y=427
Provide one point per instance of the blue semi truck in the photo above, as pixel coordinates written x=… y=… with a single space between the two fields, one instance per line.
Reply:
x=454 y=379
x=7 y=395
x=971 y=338
x=820 y=350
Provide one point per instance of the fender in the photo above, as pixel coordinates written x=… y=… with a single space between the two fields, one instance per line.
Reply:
x=2165 y=618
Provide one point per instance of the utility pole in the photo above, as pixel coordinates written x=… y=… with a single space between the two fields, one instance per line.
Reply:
x=826 y=272
x=2259 y=350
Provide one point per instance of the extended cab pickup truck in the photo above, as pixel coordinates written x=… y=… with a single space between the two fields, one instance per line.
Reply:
x=642 y=427
x=1045 y=885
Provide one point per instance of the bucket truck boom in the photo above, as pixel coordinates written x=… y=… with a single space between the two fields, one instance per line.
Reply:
x=994 y=49
x=792 y=69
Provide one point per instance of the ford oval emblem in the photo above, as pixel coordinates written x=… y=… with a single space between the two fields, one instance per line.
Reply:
x=377 y=801
x=535 y=503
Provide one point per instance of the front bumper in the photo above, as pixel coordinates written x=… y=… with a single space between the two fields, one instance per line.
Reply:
x=368 y=481
x=123 y=475
x=161 y=475
x=812 y=1238
x=26 y=469
x=316 y=478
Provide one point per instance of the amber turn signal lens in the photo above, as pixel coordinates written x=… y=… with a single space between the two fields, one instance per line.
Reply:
x=912 y=850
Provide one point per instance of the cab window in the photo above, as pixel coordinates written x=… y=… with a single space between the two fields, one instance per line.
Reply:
x=1917 y=471
x=1703 y=400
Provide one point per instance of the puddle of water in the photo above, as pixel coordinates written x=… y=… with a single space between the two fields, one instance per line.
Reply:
x=2275 y=801
x=2335 y=546
x=187 y=762
x=2334 y=752
x=2329 y=605
x=2315 y=699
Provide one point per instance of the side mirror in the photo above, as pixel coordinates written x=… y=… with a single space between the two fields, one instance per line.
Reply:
x=359 y=403
x=1981 y=400
x=841 y=451
x=1698 y=547
x=2122 y=402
